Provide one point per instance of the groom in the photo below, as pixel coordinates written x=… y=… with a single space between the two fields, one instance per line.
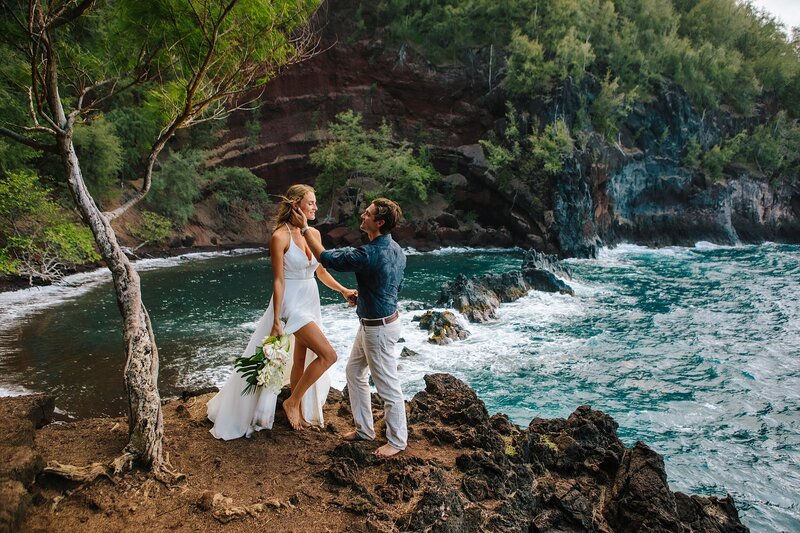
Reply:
x=379 y=267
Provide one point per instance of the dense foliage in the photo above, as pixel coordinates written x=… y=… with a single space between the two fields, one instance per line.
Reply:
x=354 y=154
x=720 y=51
x=129 y=76
x=619 y=52
x=772 y=150
x=38 y=238
x=529 y=160
x=182 y=178
x=152 y=229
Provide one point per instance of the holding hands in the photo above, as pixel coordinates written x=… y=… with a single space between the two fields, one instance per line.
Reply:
x=351 y=296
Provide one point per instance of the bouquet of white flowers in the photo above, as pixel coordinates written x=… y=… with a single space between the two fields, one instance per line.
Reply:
x=265 y=367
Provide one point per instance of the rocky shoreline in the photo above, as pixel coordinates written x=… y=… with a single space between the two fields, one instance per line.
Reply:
x=464 y=470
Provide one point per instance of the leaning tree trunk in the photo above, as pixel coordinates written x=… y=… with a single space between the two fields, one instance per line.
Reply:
x=145 y=420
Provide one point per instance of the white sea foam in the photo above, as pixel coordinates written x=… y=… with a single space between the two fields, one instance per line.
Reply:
x=13 y=390
x=249 y=326
x=456 y=250
x=494 y=345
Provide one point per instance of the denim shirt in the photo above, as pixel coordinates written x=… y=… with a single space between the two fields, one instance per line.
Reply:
x=379 y=268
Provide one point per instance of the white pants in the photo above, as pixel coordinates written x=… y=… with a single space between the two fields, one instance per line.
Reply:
x=373 y=349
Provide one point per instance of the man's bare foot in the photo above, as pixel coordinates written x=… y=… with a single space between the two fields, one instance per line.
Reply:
x=386 y=451
x=292 y=411
x=353 y=436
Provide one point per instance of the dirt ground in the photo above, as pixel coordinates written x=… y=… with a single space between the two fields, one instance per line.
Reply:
x=274 y=481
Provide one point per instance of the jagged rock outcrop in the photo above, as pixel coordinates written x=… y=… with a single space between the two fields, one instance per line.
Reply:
x=443 y=327
x=555 y=475
x=640 y=189
x=463 y=471
x=20 y=463
x=478 y=297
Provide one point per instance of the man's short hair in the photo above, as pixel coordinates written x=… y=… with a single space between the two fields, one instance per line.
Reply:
x=389 y=212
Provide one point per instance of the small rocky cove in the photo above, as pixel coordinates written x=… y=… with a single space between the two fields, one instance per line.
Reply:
x=464 y=470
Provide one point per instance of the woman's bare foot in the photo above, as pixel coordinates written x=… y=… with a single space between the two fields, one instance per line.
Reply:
x=386 y=451
x=292 y=411
x=353 y=436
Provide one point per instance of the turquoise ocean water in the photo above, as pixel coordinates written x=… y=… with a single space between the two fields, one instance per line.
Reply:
x=695 y=351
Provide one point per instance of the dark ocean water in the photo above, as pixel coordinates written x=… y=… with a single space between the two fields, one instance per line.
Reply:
x=695 y=351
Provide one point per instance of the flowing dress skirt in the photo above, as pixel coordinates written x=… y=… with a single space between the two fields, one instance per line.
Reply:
x=236 y=415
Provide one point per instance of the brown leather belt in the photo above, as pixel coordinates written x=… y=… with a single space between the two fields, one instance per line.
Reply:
x=380 y=321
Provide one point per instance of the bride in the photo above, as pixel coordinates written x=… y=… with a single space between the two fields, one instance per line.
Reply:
x=293 y=310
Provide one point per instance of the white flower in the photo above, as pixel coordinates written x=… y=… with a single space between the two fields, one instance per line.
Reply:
x=276 y=356
x=266 y=367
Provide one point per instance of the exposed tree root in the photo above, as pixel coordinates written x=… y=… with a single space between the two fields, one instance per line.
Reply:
x=123 y=462
x=89 y=473
x=167 y=476
x=83 y=474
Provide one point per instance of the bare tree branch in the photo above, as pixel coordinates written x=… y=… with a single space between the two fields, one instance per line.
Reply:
x=193 y=111
x=51 y=148
x=65 y=17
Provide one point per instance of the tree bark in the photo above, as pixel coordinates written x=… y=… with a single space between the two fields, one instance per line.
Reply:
x=145 y=419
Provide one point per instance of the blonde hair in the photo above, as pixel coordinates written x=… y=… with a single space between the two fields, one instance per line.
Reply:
x=295 y=193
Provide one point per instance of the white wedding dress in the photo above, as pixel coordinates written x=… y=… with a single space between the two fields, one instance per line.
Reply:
x=236 y=415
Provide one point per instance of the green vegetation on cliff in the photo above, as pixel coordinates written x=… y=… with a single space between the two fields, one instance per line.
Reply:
x=726 y=55
x=771 y=149
x=354 y=153
x=719 y=51
x=38 y=238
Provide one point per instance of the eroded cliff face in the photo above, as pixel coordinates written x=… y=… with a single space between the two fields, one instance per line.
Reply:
x=438 y=105
x=636 y=188
x=639 y=189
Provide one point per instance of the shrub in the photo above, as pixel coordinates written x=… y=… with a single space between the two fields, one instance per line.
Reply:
x=531 y=161
x=610 y=107
x=238 y=187
x=504 y=156
x=152 y=230
x=772 y=149
x=552 y=146
x=354 y=152
x=529 y=72
x=176 y=186
x=38 y=238
x=721 y=155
